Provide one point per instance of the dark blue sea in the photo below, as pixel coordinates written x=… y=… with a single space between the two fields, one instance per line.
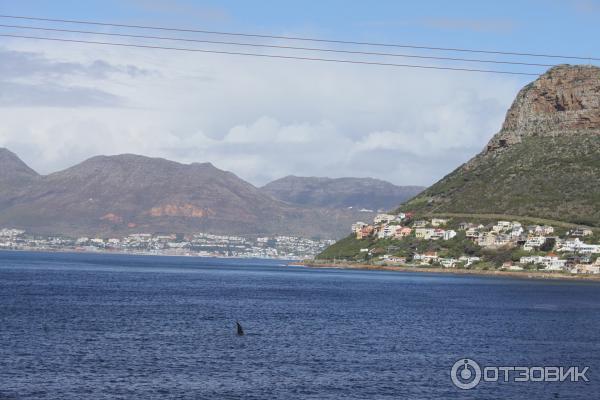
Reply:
x=86 y=326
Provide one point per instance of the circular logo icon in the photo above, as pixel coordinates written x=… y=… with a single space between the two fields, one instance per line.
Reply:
x=465 y=374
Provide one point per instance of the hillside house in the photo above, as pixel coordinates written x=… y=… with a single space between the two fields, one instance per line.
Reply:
x=540 y=230
x=364 y=232
x=383 y=218
x=426 y=258
x=403 y=232
x=577 y=246
x=358 y=225
x=534 y=243
x=582 y=231
x=448 y=262
x=424 y=233
x=467 y=261
x=449 y=234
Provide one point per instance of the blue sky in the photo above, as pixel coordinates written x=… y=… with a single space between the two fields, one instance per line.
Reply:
x=546 y=26
x=263 y=119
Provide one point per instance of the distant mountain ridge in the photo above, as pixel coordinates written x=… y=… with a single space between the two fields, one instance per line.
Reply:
x=114 y=195
x=13 y=169
x=544 y=162
x=368 y=193
x=15 y=175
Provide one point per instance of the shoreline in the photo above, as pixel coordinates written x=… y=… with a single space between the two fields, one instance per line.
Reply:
x=143 y=254
x=455 y=271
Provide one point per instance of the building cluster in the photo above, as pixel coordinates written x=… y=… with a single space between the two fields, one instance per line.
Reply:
x=389 y=226
x=199 y=244
x=569 y=252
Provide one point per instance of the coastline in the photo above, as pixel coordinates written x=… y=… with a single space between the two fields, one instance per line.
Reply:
x=455 y=271
x=135 y=253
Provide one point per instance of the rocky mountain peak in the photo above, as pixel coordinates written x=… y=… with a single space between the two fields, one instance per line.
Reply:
x=565 y=100
x=544 y=161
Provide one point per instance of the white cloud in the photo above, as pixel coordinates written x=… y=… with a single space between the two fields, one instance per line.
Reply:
x=261 y=119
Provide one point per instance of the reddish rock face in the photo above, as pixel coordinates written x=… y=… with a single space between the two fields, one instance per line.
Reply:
x=564 y=100
x=179 y=210
x=111 y=217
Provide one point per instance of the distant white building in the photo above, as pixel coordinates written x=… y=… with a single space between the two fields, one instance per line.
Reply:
x=449 y=234
x=383 y=218
x=577 y=246
x=424 y=233
x=468 y=260
x=534 y=242
x=358 y=225
x=387 y=231
x=550 y=262
x=541 y=229
x=502 y=226
x=448 y=262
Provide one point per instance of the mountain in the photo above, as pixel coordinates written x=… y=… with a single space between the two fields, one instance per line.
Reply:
x=15 y=175
x=544 y=162
x=13 y=170
x=128 y=193
x=369 y=193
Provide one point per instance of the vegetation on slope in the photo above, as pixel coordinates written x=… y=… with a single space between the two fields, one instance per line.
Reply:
x=548 y=177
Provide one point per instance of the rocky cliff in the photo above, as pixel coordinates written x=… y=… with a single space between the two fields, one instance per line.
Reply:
x=563 y=101
x=544 y=162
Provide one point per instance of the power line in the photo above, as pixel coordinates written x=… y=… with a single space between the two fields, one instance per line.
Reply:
x=275 y=46
x=70 y=21
x=268 y=55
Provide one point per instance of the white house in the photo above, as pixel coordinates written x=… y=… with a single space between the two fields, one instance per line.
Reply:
x=449 y=234
x=448 y=262
x=534 y=242
x=577 y=246
x=468 y=260
x=502 y=226
x=428 y=257
x=381 y=218
x=424 y=233
x=550 y=262
x=387 y=231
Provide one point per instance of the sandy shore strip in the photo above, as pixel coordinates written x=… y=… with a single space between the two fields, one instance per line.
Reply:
x=454 y=271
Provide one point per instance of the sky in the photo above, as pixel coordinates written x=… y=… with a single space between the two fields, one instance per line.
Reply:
x=263 y=119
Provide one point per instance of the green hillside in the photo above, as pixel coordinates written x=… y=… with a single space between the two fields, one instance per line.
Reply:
x=556 y=178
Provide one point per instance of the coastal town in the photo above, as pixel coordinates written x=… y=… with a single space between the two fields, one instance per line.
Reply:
x=404 y=239
x=199 y=244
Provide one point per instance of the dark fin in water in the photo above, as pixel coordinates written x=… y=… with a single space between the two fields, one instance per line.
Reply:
x=240 y=330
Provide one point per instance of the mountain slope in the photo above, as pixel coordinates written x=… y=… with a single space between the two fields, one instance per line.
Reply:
x=15 y=175
x=358 y=193
x=129 y=193
x=544 y=162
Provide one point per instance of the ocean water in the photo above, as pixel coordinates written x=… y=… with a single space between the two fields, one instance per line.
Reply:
x=79 y=326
